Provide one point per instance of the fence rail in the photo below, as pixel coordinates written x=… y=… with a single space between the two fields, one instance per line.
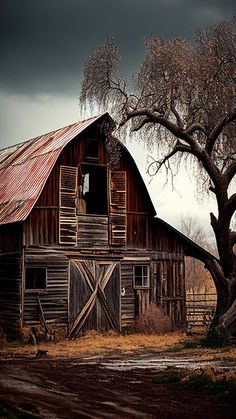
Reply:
x=200 y=310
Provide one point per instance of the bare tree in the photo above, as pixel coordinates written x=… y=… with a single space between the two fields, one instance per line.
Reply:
x=183 y=97
x=191 y=228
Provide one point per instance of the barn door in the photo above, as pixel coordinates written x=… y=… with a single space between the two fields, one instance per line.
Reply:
x=94 y=301
x=171 y=291
x=141 y=279
x=117 y=201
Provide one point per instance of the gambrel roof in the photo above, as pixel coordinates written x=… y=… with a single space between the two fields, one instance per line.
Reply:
x=25 y=168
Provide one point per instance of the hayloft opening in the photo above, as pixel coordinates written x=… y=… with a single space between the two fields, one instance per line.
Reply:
x=93 y=189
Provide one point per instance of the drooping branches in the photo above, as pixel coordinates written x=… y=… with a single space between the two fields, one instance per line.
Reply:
x=183 y=96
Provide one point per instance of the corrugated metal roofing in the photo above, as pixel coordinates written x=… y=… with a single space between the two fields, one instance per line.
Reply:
x=25 y=167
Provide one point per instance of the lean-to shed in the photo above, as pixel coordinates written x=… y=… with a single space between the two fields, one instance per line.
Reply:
x=80 y=247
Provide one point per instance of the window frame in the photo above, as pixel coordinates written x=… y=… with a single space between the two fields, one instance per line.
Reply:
x=30 y=290
x=143 y=277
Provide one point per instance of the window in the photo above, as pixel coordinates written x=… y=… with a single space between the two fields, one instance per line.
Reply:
x=141 y=276
x=35 y=278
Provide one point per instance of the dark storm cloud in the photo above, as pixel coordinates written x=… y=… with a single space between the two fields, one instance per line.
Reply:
x=44 y=43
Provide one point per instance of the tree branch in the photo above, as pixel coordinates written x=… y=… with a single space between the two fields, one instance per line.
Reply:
x=141 y=125
x=230 y=172
x=232 y=238
x=217 y=131
x=214 y=221
x=157 y=118
x=176 y=114
x=179 y=147
x=230 y=206
x=216 y=271
x=195 y=127
x=196 y=149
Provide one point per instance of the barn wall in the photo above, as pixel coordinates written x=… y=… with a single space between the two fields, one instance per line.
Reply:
x=170 y=290
x=139 y=231
x=42 y=225
x=10 y=293
x=54 y=299
x=92 y=231
x=166 y=290
x=165 y=239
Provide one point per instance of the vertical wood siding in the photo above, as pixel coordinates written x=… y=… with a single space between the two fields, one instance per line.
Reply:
x=11 y=238
x=42 y=225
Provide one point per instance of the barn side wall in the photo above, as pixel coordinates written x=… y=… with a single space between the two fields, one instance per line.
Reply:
x=166 y=290
x=11 y=259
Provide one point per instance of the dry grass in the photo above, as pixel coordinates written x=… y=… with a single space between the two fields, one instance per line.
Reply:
x=208 y=354
x=94 y=343
x=153 y=321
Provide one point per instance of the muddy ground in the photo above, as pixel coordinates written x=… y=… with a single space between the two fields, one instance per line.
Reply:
x=118 y=386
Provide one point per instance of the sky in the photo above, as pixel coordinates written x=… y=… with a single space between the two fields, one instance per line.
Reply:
x=44 y=45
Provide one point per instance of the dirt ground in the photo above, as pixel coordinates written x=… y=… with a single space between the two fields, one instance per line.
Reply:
x=105 y=383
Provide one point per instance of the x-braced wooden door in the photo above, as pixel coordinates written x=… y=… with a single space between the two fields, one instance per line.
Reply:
x=94 y=296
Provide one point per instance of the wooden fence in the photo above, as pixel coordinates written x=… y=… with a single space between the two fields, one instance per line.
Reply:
x=200 y=311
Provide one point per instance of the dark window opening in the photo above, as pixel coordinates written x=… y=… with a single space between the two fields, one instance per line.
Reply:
x=91 y=149
x=93 y=189
x=141 y=276
x=35 y=278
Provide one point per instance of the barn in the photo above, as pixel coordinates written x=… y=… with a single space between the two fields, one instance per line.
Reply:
x=80 y=245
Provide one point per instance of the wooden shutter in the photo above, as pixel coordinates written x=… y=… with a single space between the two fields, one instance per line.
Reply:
x=67 y=211
x=117 y=198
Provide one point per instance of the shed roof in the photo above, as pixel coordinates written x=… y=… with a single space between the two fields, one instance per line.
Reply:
x=25 y=167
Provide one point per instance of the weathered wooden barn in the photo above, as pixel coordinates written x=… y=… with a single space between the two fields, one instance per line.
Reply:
x=80 y=246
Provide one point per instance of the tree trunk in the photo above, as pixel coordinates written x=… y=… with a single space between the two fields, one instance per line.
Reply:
x=225 y=314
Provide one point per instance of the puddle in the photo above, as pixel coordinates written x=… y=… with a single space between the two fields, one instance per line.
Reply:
x=163 y=363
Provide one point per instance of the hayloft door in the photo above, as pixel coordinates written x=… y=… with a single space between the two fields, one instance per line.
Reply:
x=117 y=208
x=67 y=209
x=94 y=296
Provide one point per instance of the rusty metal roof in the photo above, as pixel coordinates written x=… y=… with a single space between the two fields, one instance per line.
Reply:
x=25 y=167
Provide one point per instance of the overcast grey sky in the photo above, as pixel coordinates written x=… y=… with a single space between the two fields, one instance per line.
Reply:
x=44 y=44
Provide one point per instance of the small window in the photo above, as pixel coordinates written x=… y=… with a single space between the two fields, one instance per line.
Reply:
x=141 y=276
x=35 y=278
